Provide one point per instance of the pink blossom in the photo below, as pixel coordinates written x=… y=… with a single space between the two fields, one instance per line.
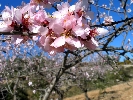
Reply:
x=8 y=14
x=56 y=27
x=92 y=44
x=18 y=39
x=35 y=38
x=38 y=29
x=58 y=42
x=40 y=17
x=63 y=10
x=81 y=9
x=4 y=27
x=74 y=42
x=66 y=28
x=69 y=22
x=79 y=31
x=61 y=41
x=44 y=3
x=45 y=43
x=67 y=31
x=14 y=16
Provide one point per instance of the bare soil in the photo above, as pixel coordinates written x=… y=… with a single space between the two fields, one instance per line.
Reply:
x=122 y=91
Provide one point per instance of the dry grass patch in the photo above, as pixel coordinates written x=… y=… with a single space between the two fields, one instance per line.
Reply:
x=122 y=91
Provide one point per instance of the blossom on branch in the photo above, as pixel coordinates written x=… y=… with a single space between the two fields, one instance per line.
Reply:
x=66 y=28
x=44 y=3
x=108 y=20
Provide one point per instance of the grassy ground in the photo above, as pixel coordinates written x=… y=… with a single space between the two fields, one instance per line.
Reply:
x=111 y=89
x=122 y=91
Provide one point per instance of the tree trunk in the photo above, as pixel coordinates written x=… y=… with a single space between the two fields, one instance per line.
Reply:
x=49 y=90
x=86 y=96
x=52 y=84
x=15 y=88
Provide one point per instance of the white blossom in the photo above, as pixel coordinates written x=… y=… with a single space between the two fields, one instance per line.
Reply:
x=129 y=10
x=131 y=1
x=92 y=1
x=104 y=5
x=34 y=91
x=108 y=19
x=129 y=41
x=30 y=83
x=118 y=8
x=102 y=31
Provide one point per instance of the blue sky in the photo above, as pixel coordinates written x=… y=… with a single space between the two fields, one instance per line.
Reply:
x=116 y=17
x=11 y=3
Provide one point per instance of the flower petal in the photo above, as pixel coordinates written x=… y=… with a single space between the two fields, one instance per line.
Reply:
x=60 y=41
x=92 y=44
x=74 y=42
x=4 y=27
x=102 y=31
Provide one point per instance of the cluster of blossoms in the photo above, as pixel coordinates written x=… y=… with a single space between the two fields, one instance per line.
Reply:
x=108 y=20
x=67 y=28
x=44 y=3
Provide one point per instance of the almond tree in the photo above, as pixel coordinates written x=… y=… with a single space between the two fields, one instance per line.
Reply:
x=72 y=31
